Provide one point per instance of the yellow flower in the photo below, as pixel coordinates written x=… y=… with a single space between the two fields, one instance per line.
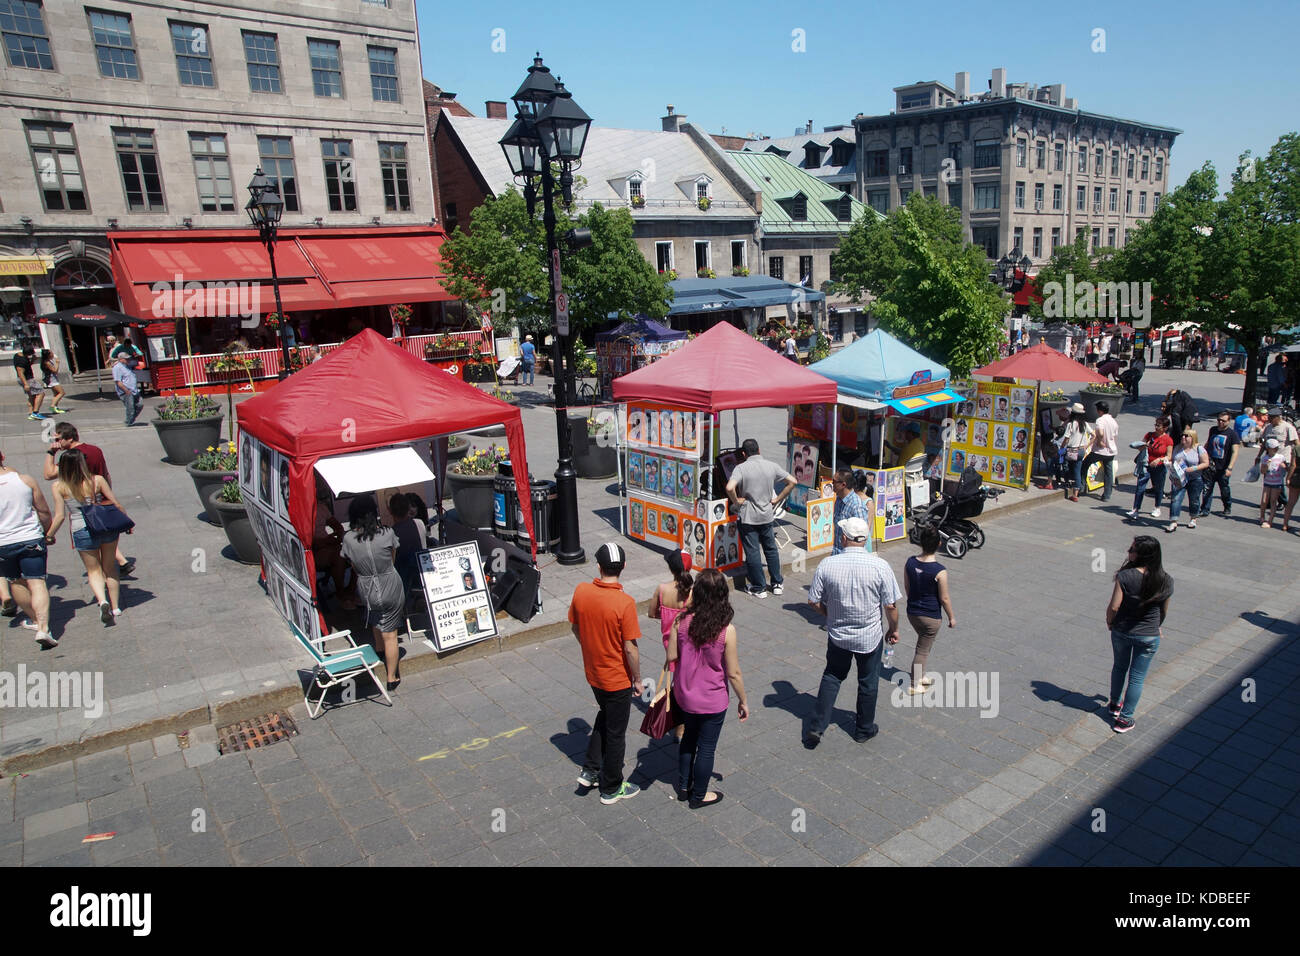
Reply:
x=210 y=448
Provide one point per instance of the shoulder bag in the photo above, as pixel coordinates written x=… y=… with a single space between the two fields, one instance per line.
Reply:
x=104 y=520
x=659 y=716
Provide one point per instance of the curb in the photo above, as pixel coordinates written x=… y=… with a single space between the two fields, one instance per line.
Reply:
x=282 y=698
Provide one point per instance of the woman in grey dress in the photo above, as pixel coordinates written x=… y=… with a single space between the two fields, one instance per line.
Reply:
x=372 y=548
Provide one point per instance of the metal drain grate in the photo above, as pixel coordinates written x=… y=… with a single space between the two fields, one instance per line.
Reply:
x=256 y=733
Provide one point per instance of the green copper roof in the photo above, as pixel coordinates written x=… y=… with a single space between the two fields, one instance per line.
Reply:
x=779 y=181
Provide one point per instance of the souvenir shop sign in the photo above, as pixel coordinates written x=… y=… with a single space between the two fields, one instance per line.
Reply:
x=455 y=590
x=994 y=434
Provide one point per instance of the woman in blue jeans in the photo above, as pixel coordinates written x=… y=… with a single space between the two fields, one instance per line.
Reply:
x=1190 y=460
x=1159 y=447
x=704 y=646
x=1138 y=606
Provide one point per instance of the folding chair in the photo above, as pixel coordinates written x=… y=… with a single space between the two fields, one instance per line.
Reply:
x=338 y=667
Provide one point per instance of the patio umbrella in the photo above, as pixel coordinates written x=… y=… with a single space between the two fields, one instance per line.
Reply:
x=91 y=316
x=1043 y=363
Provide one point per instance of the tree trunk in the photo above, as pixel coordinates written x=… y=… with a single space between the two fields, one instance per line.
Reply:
x=1252 y=374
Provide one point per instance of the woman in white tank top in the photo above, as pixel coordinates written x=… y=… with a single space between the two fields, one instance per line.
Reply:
x=24 y=518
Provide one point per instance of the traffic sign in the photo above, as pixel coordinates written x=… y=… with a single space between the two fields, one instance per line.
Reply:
x=555 y=267
x=562 y=313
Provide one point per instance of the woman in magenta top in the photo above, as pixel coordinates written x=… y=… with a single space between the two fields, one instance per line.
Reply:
x=703 y=644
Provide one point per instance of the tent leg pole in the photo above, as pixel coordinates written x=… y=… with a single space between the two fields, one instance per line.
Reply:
x=835 y=439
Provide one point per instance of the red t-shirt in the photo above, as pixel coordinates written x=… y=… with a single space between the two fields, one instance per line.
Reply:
x=95 y=460
x=1158 y=446
x=605 y=617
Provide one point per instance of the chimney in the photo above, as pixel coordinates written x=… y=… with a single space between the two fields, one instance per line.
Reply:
x=962 y=85
x=673 y=121
x=809 y=127
x=999 y=83
x=496 y=109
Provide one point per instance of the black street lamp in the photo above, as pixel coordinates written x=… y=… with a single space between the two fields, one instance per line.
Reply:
x=551 y=128
x=265 y=207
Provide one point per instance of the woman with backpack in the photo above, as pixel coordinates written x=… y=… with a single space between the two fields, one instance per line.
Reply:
x=1138 y=606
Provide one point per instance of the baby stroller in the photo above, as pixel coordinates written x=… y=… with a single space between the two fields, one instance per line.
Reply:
x=952 y=513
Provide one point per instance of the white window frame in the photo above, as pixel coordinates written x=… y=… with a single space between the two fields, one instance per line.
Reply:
x=708 y=253
x=672 y=262
x=744 y=253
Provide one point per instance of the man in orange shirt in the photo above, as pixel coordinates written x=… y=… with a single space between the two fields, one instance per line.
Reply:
x=605 y=623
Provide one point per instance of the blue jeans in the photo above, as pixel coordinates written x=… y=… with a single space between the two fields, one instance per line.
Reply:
x=1133 y=656
x=526 y=376
x=696 y=751
x=1191 y=488
x=131 y=402
x=752 y=537
x=838 y=661
x=1215 y=476
x=1076 y=470
x=1156 y=478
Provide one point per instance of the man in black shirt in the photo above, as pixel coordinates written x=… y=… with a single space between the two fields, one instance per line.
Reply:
x=33 y=388
x=1222 y=445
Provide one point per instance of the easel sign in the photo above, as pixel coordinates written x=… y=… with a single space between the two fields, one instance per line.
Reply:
x=455 y=590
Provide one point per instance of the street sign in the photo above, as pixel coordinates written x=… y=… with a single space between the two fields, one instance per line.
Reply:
x=562 y=313
x=555 y=267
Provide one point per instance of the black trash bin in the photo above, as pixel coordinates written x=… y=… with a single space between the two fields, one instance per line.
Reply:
x=542 y=497
x=505 y=503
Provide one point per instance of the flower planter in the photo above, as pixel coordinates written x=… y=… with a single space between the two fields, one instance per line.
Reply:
x=239 y=530
x=182 y=439
x=472 y=496
x=235 y=374
x=205 y=482
x=1089 y=399
x=479 y=373
x=590 y=458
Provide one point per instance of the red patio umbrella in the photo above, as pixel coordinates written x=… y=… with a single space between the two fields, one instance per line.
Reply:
x=1044 y=364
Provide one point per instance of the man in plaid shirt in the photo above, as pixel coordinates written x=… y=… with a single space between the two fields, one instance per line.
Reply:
x=857 y=592
x=848 y=505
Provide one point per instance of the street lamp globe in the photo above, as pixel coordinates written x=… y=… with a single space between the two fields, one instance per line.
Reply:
x=536 y=91
x=520 y=146
x=265 y=207
x=563 y=127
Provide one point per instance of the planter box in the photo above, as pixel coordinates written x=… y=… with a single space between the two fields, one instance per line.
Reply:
x=239 y=530
x=480 y=373
x=590 y=459
x=1090 y=398
x=205 y=482
x=472 y=496
x=234 y=374
x=184 y=438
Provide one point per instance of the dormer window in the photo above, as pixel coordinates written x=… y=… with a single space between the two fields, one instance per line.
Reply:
x=812 y=156
x=635 y=195
x=701 y=191
x=843 y=208
x=799 y=208
x=841 y=153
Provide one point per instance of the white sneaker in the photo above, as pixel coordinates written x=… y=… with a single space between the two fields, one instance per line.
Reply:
x=777 y=589
x=1155 y=512
x=1133 y=514
x=1192 y=523
x=46 y=640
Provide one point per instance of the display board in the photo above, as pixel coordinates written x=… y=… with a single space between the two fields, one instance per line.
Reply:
x=809 y=426
x=455 y=590
x=820 y=523
x=888 y=496
x=994 y=434
x=264 y=484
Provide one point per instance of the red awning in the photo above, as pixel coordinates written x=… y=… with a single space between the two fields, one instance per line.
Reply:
x=318 y=269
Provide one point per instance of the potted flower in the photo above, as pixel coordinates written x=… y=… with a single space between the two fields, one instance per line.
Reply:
x=742 y=271
x=216 y=465
x=400 y=313
x=670 y=273
x=233 y=363
x=480 y=368
x=470 y=481
x=301 y=356
x=187 y=424
x=705 y=202
x=273 y=321
x=228 y=503
x=1110 y=393
x=638 y=202
x=706 y=274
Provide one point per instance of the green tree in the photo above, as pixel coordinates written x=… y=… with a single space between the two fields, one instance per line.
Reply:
x=931 y=287
x=1069 y=267
x=611 y=277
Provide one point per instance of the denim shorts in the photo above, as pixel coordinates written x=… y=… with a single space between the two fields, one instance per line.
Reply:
x=86 y=540
x=25 y=559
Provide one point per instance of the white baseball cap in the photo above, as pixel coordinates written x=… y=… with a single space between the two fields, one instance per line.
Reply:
x=855 y=529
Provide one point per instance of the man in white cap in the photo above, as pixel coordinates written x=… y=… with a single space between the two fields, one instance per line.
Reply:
x=1286 y=435
x=858 y=593
x=527 y=360
x=605 y=622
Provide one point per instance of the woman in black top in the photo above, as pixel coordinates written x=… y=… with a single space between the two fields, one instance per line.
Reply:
x=926 y=582
x=1138 y=606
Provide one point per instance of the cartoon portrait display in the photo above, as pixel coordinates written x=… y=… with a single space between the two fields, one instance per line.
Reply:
x=984 y=407
x=685 y=481
x=1001 y=437
x=957 y=461
x=820 y=515
x=961 y=431
x=246 y=455
x=668 y=524
x=728 y=460
x=266 y=465
x=634 y=469
x=999 y=472
x=818 y=416
x=667 y=477
x=1001 y=410
x=1022 y=396
x=651 y=472
x=980 y=463
x=636 y=517
x=1017 y=471
x=1020 y=413
x=895 y=481
x=651 y=520
x=980 y=437
x=688 y=428
x=284 y=486
x=650 y=433
x=804 y=461
x=965 y=409
x=827 y=489
x=1020 y=440
x=635 y=425
x=719 y=510
x=667 y=431
x=797 y=500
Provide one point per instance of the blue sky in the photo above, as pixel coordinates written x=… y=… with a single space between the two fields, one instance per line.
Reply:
x=1227 y=74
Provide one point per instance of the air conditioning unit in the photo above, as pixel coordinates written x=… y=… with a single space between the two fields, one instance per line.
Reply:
x=1038 y=205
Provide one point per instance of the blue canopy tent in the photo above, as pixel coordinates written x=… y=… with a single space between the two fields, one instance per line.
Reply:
x=631 y=345
x=878 y=371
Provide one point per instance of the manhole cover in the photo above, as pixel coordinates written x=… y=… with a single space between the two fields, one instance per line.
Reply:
x=256 y=733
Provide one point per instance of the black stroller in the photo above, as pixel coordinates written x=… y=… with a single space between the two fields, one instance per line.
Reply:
x=952 y=513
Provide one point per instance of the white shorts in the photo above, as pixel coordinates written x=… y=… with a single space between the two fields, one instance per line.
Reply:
x=52 y=382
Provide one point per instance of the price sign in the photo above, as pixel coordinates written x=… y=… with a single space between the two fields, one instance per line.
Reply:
x=562 y=313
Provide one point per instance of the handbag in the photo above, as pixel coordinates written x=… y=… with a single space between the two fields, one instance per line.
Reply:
x=659 y=717
x=104 y=520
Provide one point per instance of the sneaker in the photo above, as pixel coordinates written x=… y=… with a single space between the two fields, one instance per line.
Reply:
x=30 y=625
x=35 y=417
x=625 y=792
x=1155 y=512
x=588 y=779
x=778 y=589
x=758 y=594
x=9 y=608
x=1132 y=515
x=117 y=612
x=1227 y=512
x=1114 y=708
x=59 y=411
x=812 y=739
x=46 y=640
x=1192 y=523
x=1122 y=726
x=106 y=613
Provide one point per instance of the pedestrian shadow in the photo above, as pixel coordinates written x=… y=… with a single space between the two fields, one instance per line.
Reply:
x=805 y=612
x=803 y=705
x=1047 y=691
x=1267 y=622
x=608 y=515
x=129 y=597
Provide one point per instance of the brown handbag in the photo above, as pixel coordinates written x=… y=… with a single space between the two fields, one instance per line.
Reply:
x=659 y=717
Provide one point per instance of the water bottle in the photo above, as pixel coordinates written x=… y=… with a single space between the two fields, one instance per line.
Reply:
x=889 y=655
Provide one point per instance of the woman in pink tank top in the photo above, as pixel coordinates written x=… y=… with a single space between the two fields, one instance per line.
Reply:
x=703 y=643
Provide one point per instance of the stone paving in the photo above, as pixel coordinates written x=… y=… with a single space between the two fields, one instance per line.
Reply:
x=474 y=764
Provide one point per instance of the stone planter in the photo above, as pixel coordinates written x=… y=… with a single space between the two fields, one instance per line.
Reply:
x=591 y=459
x=472 y=495
x=239 y=530
x=184 y=438
x=1089 y=399
x=205 y=482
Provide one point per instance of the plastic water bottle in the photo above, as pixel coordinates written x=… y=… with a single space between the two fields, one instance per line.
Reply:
x=888 y=659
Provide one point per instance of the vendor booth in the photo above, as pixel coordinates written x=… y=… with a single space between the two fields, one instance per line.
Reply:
x=632 y=345
x=672 y=431
x=892 y=402
x=368 y=417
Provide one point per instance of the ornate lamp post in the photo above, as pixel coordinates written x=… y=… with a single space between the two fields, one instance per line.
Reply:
x=551 y=128
x=265 y=207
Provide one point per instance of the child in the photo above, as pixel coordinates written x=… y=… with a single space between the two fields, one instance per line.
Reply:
x=1273 y=470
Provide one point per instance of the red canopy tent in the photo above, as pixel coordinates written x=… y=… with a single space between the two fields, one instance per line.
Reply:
x=368 y=393
x=724 y=368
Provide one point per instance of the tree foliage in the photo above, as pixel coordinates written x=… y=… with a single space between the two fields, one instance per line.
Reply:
x=1068 y=263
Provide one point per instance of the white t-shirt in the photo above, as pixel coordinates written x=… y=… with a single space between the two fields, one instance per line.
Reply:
x=790 y=346
x=1107 y=430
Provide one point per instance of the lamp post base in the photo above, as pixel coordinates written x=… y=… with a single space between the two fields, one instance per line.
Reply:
x=570 y=549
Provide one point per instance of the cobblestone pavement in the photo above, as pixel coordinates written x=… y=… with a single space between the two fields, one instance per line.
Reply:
x=475 y=762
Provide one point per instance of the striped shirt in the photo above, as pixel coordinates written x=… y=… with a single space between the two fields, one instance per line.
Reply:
x=855 y=587
x=850 y=506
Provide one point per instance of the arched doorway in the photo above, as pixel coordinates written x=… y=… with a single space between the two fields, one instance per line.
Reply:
x=78 y=282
